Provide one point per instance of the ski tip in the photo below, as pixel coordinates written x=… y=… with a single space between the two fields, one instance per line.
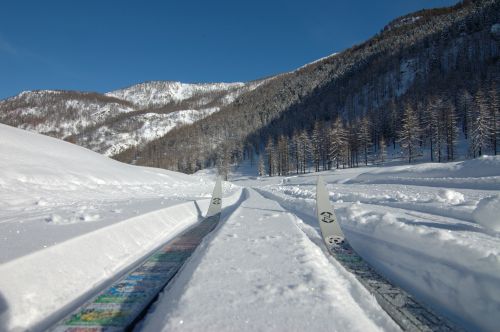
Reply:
x=216 y=200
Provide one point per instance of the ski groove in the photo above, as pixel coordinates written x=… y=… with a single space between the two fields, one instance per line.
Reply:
x=122 y=305
x=409 y=314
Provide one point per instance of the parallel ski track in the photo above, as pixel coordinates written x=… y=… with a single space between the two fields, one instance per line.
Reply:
x=288 y=205
x=122 y=305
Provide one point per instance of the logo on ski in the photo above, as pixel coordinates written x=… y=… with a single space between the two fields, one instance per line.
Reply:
x=216 y=200
x=327 y=217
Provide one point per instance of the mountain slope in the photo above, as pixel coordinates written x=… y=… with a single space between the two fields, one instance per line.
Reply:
x=439 y=53
x=120 y=119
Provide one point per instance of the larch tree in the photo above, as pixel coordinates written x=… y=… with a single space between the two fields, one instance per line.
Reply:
x=270 y=153
x=364 y=138
x=382 y=150
x=481 y=132
x=409 y=134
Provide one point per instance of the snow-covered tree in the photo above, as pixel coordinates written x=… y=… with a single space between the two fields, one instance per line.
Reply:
x=304 y=150
x=316 y=144
x=481 y=132
x=409 y=134
x=495 y=117
x=451 y=133
x=261 y=166
x=382 y=150
x=270 y=153
x=364 y=138
x=338 y=143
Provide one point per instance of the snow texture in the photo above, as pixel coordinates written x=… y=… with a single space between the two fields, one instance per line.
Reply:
x=487 y=213
x=72 y=220
x=262 y=273
x=429 y=228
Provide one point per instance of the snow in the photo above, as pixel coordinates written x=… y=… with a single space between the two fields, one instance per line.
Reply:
x=146 y=127
x=264 y=274
x=165 y=92
x=487 y=212
x=71 y=221
x=430 y=228
x=450 y=196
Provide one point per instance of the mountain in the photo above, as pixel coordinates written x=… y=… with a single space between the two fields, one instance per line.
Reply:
x=161 y=93
x=109 y=123
x=425 y=82
x=434 y=72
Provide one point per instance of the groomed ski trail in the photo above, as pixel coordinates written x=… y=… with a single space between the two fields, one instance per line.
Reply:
x=415 y=248
x=261 y=272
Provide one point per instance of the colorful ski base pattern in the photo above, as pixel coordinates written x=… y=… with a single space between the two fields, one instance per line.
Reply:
x=403 y=309
x=118 y=307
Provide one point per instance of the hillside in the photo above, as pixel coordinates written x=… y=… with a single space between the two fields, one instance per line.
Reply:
x=441 y=63
x=435 y=71
x=109 y=123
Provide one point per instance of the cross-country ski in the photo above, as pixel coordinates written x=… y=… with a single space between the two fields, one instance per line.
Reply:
x=403 y=309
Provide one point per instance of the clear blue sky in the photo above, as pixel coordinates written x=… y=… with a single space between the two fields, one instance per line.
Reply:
x=104 y=45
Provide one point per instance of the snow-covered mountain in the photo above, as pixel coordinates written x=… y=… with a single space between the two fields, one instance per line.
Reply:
x=112 y=122
x=161 y=93
x=60 y=113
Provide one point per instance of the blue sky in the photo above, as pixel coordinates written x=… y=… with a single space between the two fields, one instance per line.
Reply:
x=104 y=45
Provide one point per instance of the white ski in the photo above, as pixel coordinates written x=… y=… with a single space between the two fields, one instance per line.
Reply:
x=399 y=305
x=216 y=201
x=330 y=228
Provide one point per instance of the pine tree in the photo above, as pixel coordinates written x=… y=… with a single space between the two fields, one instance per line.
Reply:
x=364 y=138
x=270 y=156
x=316 y=140
x=495 y=117
x=435 y=127
x=382 y=152
x=481 y=132
x=261 y=166
x=305 y=150
x=338 y=143
x=409 y=134
x=295 y=151
x=451 y=133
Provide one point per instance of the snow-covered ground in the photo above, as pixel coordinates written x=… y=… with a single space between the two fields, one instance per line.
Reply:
x=72 y=220
x=261 y=272
x=433 y=229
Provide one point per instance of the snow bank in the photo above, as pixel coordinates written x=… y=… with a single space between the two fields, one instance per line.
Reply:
x=487 y=213
x=38 y=285
x=71 y=219
x=479 y=173
x=457 y=272
x=51 y=190
x=43 y=283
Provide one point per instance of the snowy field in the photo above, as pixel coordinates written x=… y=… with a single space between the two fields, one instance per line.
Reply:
x=433 y=229
x=71 y=221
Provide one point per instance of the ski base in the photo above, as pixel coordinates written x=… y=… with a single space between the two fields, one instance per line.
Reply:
x=399 y=305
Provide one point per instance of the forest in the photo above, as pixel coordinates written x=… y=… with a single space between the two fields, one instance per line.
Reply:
x=423 y=82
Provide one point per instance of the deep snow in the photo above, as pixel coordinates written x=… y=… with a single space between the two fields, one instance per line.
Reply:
x=417 y=225
x=72 y=220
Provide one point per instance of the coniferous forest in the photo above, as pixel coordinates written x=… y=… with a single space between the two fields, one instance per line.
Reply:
x=425 y=82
